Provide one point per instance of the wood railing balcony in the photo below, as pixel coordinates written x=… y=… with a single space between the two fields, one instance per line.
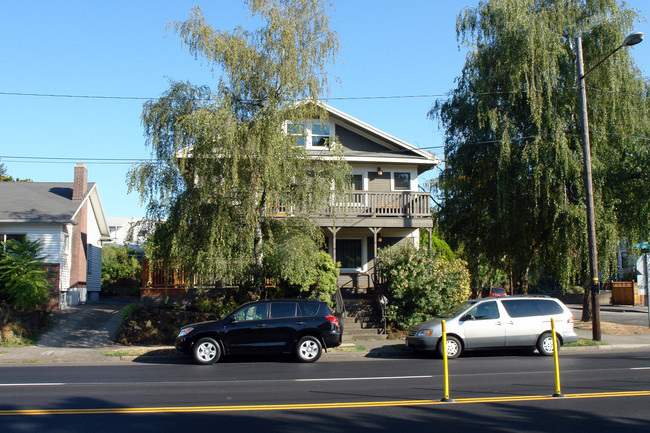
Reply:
x=406 y=204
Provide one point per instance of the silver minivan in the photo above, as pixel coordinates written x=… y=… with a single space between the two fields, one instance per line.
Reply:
x=504 y=322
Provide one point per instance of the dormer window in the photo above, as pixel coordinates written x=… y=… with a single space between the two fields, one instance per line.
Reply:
x=312 y=134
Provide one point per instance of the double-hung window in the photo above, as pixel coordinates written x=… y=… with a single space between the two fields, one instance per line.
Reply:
x=312 y=134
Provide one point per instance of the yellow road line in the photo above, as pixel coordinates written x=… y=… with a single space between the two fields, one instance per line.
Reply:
x=312 y=406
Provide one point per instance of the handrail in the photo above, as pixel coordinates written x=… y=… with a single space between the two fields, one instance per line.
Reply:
x=339 y=303
x=396 y=204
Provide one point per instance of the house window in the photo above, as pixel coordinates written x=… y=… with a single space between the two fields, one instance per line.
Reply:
x=311 y=134
x=356 y=182
x=320 y=134
x=402 y=181
x=297 y=130
x=7 y=237
x=348 y=252
x=89 y=259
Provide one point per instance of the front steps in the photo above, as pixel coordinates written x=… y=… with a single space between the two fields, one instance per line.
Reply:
x=362 y=320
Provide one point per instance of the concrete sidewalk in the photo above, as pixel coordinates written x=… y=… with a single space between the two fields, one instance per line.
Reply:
x=167 y=354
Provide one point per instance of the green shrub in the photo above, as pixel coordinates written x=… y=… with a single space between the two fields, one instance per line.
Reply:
x=219 y=306
x=118 y=264
x=23 y=277
x=421 y=283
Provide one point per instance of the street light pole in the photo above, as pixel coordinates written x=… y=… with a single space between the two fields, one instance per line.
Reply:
x=632 y=39
x=589 y=195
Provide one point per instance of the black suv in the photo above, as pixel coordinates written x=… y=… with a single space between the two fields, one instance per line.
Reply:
x=301 y=326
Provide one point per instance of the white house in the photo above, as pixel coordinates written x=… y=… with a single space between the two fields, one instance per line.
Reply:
x=68 y=218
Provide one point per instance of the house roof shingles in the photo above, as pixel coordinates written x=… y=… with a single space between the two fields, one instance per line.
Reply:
x=47 y=202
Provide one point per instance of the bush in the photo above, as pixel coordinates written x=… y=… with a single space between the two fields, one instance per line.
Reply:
x=421 y=284
x=23 y=277
x=120 y=266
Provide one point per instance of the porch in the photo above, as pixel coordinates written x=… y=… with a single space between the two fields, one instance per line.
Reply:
x=367 y=204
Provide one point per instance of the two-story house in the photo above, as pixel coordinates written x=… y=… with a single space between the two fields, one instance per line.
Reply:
x=384 y=206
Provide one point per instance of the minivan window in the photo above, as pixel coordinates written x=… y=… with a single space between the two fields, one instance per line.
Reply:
x=521 y=308
x=484 y=311
x=280 y=310
x=548 y=307
x=456 y=310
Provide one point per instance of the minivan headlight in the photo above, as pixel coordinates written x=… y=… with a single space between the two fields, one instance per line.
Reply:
x=425 y=333
x=183 y=332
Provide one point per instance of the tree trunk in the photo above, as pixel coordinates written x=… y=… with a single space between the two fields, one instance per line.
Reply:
x=259 y=280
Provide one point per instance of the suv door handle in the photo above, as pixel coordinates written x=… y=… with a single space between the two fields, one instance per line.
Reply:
x=300 y=323
x=262 y=325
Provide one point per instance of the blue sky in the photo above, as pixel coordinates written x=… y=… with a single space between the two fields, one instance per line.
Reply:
x=121 y=49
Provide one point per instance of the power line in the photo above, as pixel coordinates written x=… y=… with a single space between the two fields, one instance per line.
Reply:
x=67 y=160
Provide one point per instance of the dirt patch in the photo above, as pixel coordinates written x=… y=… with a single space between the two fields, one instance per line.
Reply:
x=609 y=328
x=17 y=328
x=148 y=326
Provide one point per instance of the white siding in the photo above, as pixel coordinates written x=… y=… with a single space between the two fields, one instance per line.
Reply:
x=50 y=236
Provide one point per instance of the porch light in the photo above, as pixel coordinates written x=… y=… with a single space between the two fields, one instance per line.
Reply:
x=379 y=171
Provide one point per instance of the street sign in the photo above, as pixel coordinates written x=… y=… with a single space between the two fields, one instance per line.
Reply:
x=643 y=246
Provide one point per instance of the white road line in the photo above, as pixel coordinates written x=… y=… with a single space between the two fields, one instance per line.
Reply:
x=334 y=379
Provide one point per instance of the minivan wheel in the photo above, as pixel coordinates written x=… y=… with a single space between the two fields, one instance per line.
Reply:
x=206 y=351
x=308 y=349
x=454 y=347
x=545 y=344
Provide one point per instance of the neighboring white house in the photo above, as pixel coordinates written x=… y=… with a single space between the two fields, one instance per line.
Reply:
x=69 y=220
x=129 y=231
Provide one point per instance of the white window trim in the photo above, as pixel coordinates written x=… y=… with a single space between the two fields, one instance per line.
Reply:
x=413 y=186
x=308 y=135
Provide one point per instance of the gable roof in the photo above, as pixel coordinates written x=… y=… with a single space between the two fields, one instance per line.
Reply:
x=47 y=202
x=394 y=149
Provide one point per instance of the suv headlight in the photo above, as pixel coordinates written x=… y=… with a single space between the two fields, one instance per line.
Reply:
x=183 y=332
x=425 y=333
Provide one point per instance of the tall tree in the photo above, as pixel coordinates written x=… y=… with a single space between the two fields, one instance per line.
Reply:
x=512 y=185
x=223 y=160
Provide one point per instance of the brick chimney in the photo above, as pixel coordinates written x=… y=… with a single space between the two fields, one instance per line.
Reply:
x=80 y=181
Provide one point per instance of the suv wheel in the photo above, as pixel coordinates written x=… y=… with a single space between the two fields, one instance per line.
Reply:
x=206 y=351
x=545 y=344
x=308 y=349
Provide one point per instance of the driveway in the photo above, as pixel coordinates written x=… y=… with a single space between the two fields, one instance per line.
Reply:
x=90 y=325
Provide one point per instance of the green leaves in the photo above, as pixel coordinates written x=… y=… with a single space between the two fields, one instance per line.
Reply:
x=513 y=193
x=222 y=160
x=23 y=280
x=421 y=283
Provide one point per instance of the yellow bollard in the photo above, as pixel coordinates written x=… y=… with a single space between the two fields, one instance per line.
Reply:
x=558 y=391
x=445 y=364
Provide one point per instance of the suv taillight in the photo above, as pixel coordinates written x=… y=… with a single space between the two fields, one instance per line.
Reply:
x=333 y=319
x=570 y=320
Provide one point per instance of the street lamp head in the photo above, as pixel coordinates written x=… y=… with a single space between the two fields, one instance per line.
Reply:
x=633 y=39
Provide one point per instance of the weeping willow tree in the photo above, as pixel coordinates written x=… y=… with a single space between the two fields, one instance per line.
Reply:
x=512 y=184
x=223 y=163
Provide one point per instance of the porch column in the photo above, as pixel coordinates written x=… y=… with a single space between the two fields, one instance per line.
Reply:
x=334 y=231
x=430 y=240
x=375 y=231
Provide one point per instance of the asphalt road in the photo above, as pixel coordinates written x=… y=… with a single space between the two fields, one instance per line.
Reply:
x=511 y=392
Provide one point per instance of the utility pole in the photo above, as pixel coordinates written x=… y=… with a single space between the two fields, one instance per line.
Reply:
x=589 y=196
x=631 y=39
